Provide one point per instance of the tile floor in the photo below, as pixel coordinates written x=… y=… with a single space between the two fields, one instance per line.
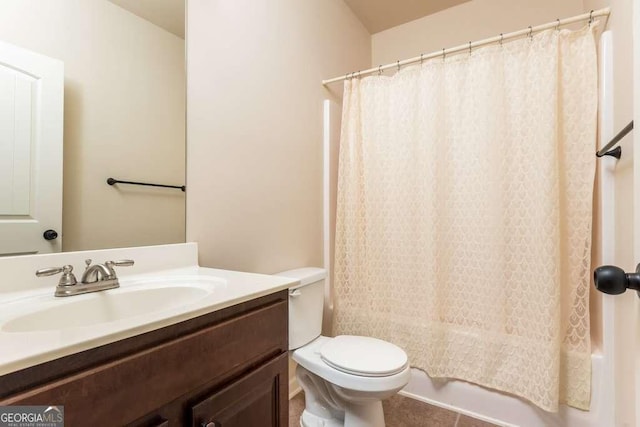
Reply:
x=401 y=411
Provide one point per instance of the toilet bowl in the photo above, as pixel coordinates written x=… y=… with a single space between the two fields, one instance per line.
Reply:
x=344 y=378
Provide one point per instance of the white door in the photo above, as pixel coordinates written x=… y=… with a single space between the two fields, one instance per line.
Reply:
x=31 y=112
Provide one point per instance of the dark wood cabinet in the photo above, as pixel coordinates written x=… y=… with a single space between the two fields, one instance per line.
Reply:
x=228 y=368
x=253 y=400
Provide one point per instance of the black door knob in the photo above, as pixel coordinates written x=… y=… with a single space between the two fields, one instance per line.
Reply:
x=613 y=280
x=50 y=235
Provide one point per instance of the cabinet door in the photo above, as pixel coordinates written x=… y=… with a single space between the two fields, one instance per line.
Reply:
x=259 y=399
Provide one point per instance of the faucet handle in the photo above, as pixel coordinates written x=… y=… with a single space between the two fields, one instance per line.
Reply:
x=87 y=263
x=67 y=279
x=122 y=263
x=119 y=263
x=49 y=271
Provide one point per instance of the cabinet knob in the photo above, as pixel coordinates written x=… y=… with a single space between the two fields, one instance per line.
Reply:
x=210 y=424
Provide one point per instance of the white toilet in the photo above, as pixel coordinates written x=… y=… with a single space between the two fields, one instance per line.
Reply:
x=344 y=378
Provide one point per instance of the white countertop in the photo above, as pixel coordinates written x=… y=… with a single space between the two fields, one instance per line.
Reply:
x=20 y=350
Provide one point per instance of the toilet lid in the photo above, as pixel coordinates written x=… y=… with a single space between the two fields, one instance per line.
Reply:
x=363 y=356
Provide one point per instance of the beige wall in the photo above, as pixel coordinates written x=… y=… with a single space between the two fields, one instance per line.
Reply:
x=254 y=152
x=460 y=24
x=123 y=117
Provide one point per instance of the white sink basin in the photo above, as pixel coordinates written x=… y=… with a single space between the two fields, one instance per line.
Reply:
x=144 y=298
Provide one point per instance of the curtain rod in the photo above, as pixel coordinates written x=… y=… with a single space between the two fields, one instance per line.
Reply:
x=527 y=31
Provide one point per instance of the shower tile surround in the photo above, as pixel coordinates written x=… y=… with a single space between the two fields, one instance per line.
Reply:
x=400 y=411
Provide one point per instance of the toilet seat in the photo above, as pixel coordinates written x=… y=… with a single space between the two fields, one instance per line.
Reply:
x=309 y=357
x=363 y=356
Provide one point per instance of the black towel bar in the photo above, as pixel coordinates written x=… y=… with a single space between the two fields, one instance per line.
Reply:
x=112 y=181
x=616 y=152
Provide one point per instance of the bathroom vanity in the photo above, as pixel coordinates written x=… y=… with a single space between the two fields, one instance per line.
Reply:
x=218 y=360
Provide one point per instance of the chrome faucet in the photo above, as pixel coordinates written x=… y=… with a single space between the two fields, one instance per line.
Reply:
x=97 y=277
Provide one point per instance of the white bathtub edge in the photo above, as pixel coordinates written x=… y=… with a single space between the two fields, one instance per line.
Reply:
x=455 y=409
x=506 y=410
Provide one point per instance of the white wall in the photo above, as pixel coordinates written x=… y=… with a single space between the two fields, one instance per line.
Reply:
x=254 y=151
x=123 y=117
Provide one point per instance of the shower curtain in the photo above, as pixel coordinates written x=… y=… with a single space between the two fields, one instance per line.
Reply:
x=463 y=229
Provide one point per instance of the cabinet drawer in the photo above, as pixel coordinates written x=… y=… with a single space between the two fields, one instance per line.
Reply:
x=121 y=391
x=259 y=399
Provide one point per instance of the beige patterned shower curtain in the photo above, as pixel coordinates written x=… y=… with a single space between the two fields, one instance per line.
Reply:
x=464 y=216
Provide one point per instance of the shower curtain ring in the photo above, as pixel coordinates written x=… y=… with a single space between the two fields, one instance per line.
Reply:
x=501 y=38
x=530 y=32
x=590 y=17
x=380 y=69
x=558 y=24
x=398 y=65
x=421 y=58
x=444 y=55
x=469 y=48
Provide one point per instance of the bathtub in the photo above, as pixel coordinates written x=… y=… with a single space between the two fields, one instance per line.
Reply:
x=507 y=410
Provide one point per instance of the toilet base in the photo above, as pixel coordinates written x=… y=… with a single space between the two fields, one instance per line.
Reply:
x=364 y=415
x=310 y=420
x=369 y=415
x=328 y=405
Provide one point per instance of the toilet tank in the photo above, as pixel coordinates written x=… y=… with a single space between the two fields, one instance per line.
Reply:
x=306 y=303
